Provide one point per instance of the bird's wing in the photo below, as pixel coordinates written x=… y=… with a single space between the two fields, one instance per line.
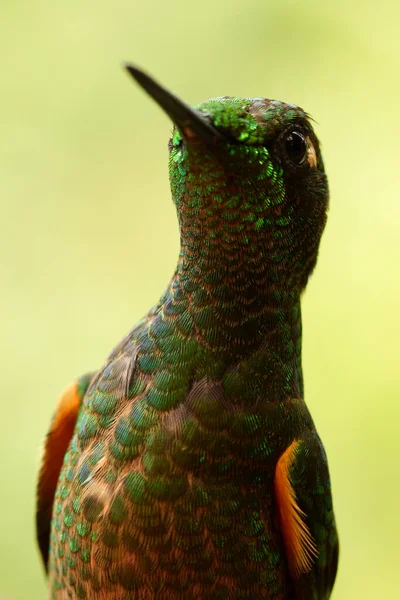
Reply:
x=55 y=447
x=303 y=495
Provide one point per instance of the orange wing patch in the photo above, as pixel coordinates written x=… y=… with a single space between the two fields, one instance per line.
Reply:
x=301 y=549
x=58 y=438
x=55 y=447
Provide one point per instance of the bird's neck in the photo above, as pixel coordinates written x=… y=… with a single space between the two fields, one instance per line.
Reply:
x=241 y=317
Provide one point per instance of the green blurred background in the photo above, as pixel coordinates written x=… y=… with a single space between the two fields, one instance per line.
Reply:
x=89 y=236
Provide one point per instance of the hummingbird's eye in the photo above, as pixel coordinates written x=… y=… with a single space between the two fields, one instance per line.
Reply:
x=296 y=147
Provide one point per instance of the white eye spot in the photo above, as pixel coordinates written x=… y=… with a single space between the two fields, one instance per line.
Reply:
x=311 y=154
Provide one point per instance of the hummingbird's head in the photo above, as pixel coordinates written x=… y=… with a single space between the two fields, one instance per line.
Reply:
x=248 y=180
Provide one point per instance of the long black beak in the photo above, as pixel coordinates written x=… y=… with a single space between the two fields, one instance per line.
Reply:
x=191 y=122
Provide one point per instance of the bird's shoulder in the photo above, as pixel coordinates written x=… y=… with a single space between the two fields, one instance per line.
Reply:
x=54 y=449
x=304 y=501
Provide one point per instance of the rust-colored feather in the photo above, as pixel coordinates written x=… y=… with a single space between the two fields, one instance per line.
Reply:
x=54 y=450
x=300 y=546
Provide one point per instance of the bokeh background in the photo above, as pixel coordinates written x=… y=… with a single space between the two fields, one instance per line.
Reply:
x=89 y=236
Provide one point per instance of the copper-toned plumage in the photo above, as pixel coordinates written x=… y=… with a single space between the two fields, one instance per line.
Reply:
x=55 y=447
x=194 y=471
x=301 y=549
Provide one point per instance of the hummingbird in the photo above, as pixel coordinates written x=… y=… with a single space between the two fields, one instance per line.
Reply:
x=188 y=467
